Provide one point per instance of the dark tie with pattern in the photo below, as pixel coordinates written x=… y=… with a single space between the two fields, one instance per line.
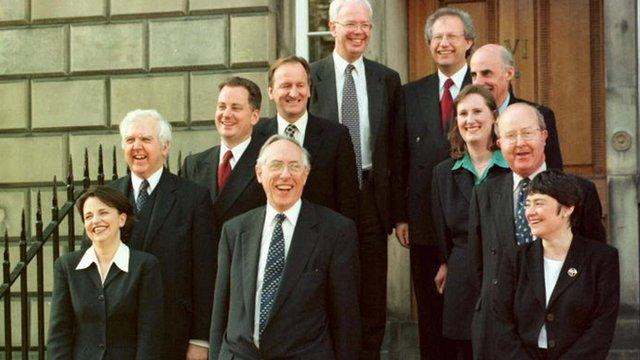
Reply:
x=224 y=171
x=523 y=232
x=446 y=105
x=290 y=131
x=272 y=271
x=351 y=116
x=143 y=195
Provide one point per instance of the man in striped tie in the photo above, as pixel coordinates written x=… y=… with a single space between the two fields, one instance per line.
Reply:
x=288 y=272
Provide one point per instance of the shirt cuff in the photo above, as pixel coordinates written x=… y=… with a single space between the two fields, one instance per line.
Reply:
x=201 y=343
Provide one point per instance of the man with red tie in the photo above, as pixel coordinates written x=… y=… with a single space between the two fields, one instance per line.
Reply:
x=450 y=34
x=227 y=170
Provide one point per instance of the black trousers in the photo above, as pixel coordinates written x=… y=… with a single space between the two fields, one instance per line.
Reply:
x=373 y=273
x=424 y=266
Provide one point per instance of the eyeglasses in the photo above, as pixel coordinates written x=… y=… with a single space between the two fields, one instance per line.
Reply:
x=356 y=26
x=525 y=134
x=292 y=167
x=453 y=38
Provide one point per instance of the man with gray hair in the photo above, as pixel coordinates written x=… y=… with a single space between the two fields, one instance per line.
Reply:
x=366 y=97
x=287 y=282
x=493 y=67
x=450 y=35
x=173 y=222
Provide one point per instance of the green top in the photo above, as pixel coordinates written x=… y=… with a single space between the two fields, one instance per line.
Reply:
x=466 y=163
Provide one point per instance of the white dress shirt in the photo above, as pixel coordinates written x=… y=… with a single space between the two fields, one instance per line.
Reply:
x=120 y=259
x=516 y=183
x=153 y=181
x=301 y=126
x=458 y=79
x=360 y=80
x=551 y=273
x=504 y=104
x=237 y=152
x=288 y=225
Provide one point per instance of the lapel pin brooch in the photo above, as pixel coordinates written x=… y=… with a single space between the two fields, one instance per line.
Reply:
x=572 y=272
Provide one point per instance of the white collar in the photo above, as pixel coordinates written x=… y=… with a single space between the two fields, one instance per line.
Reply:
x=458 y=77
x=301 y=123
x=504 y=104
x=120 y=258
x=237 y=150
x=291 y=213
x=517 y=178
x=153 y=180
x=341 y=64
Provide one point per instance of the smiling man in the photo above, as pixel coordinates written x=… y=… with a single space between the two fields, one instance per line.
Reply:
x=173 y=222
x=333 y=181
x=367 y=98
x=497 y=223
x=287 y=283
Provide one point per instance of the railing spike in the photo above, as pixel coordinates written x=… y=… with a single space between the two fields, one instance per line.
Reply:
x=115 y=165
x=23 y=228
x=39 y=217
x=6 y=245
x=100 y=166
x=54 y=198
x=179 y=162
x=86 y=181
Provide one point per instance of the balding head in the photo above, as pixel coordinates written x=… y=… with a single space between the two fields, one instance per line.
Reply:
x=492 y=67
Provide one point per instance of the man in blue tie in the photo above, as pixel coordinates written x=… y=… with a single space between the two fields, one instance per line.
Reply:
x=288 y=272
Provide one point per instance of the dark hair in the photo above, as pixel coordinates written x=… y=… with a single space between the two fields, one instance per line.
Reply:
x=458 y=146
x=560 y=186
x=289 y=60
x=255 y=96
x=113 y=198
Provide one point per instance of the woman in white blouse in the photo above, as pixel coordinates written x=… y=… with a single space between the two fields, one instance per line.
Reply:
x=558 y=297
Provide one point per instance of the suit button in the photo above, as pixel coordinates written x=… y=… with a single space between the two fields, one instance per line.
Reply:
x=495 y=281
x=551 y=344
x=493 y=251
x=550 y=317
x=101 y=297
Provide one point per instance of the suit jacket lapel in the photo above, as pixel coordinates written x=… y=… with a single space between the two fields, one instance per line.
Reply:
x=208 y=170
x=165 y=199
x=504 y=217
x=114 y=272
x=305 y=238
x=575 y=262
x=534 y=270
x=241 y=176
x=250 y=246
x=93 y=275
x=430 y=104
x=313 y=137
x=465 y=182
x=325 y=84
x=375 y=97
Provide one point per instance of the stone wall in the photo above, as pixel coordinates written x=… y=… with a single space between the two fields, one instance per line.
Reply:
x=70 y=70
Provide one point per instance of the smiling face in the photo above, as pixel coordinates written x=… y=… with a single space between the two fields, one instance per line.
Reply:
x=290 y=90
x=523 y=155
x=283 y=174
x=102 y=222
x=475 y=120
x=489 y=70
x=142 y=148
x=234 y=115
x=448 y=44
x=546 y=216
x=351 y=44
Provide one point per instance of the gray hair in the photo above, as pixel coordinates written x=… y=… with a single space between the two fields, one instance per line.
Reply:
x=262 y=157
x=469 y=29
x=507 y=58
x=541 y=124
x=164 y=128
x=336 y=5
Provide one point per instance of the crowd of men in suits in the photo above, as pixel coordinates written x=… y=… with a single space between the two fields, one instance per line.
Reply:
x=288 y=218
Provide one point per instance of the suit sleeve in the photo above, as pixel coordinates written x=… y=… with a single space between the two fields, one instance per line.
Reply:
x=344 y=279
x=399 y=151
x=346 y=181
x=475 y=259
x=553 y=157
x=61 y=334
x=203 y=266
x=590 y=222
x=596 y=340
x=220 y=312
x=439 y=223
x=150 y=308
x=508 y=340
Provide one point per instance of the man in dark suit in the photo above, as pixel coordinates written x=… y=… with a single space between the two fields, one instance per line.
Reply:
x=287 y=283
x=227 y=170
x=450 y=34
x=333 y=180
x=496 y=223
x=493 y=67
x=174 y=224
x=366 y=97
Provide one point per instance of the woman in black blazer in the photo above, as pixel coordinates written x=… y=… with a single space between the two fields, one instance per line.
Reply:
x=558 y=296
x=107 y=301
x=474 y=158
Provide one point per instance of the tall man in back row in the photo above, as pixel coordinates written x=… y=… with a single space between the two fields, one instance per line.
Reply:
x=367 y=98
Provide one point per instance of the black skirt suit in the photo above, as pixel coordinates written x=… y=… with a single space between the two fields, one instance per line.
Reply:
x=581 y=315
x=451 y=192
x=121 y=319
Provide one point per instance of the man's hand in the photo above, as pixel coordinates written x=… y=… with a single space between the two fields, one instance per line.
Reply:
x=195 y=352
x=441 y=278
x=402 y=234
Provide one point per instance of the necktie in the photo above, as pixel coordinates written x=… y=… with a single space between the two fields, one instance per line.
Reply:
x=143 y=195
x=224 y=170
x=290 y=131
x=446 y=105
x=351 y=116
x=272 y=271
x=523 y=232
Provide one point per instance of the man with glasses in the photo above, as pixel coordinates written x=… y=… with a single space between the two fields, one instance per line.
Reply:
x=492 y=66
x=497 y=224
x=287 y=282
x=450 y=34
x=367 y=98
